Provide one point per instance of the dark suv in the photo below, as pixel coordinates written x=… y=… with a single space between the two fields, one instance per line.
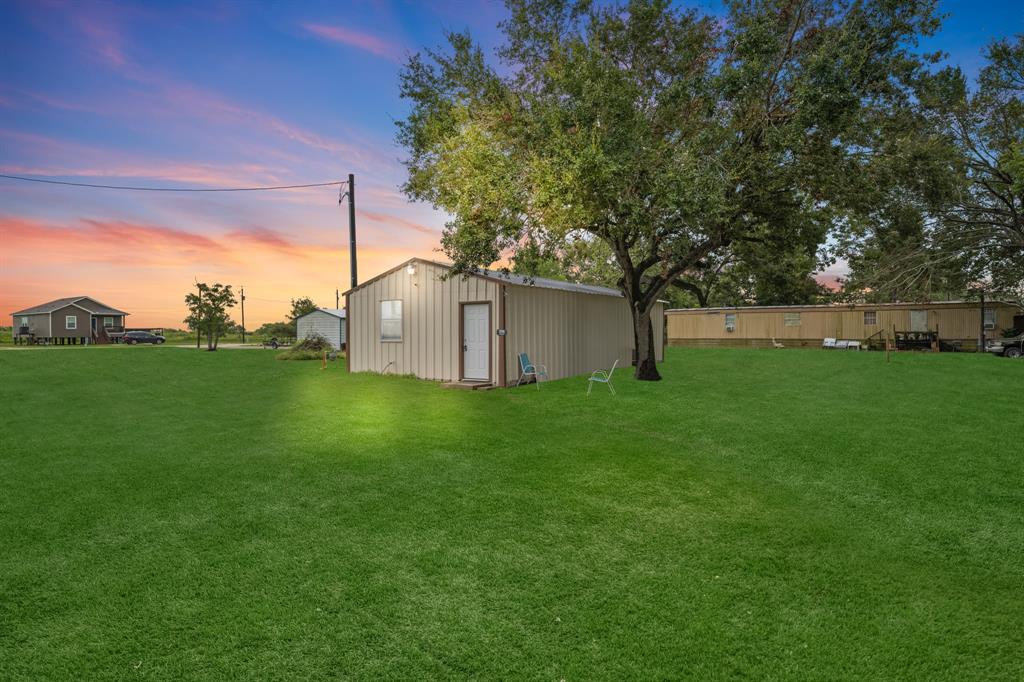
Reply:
x=143 y=337
x=1012 y=347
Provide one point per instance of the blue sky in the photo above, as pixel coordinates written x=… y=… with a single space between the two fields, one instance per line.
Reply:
x=229 y=94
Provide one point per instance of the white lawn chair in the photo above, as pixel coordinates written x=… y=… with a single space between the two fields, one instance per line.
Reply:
x=602 y=377
x=828 y=343
x=853 y=345
x=776 y=344
x=528 y=369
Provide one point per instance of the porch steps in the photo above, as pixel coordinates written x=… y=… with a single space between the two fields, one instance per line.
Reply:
x=469 y=385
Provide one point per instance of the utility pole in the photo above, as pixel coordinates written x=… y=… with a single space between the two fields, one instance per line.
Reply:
x=199 y=317
x=981 y=325
x=243 y=314
x=351 y=194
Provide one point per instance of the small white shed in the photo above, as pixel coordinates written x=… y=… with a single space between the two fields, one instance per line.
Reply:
x=327 y=322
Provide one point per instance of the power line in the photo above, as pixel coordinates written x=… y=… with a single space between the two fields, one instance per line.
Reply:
x=172 y=189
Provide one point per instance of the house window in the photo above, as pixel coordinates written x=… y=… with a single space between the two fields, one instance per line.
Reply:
x=730 y=322
x=990 y=318
x=791 y=319
x=390 y=320
x=108 y=322
x=70 y=322
x=870 y=317
x=24 y=321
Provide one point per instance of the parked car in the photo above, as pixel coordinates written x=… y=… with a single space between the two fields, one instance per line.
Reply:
x=143 y=337
x=1012 y=347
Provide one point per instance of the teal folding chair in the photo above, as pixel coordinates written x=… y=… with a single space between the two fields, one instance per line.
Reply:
x=599 y=376
x=528 y=369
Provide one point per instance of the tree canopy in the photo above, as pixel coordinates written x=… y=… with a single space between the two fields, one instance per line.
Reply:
x=661 y=139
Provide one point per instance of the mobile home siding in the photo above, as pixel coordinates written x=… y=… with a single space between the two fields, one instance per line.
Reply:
x=430 y=347
x=327 y=325
x=757 y=326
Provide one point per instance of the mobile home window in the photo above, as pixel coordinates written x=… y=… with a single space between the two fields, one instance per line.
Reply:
x=730 y=322
x=990 y=318
x=70 y=322
x=791 y=319
x=24 y=321
x=108 y=322
x=390 y=320
x=870 y=317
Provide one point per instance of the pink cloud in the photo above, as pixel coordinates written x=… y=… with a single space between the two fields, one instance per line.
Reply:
x=363 y=41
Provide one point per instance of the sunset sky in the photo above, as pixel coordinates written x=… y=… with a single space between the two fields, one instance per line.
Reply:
x=229 y=94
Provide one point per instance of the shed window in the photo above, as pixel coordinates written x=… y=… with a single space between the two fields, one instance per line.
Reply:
x=390 y=320
x=24 y=321
x=730 y=322
x=791 y=319
x=70 y=322
x=108 y=322
x=870 y=317
x=990 y=318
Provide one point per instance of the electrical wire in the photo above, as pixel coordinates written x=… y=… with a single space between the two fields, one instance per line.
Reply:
x=173 y=189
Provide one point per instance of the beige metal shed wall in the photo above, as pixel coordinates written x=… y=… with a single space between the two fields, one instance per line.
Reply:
x=570 y=332
x=952 y=322
x=431 y=346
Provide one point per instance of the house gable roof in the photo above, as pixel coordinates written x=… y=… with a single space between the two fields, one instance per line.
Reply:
x=336 y=312
x=86 y=303
x=505 y=278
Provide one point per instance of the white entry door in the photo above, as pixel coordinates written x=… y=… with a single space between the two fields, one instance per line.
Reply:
x=476 y=341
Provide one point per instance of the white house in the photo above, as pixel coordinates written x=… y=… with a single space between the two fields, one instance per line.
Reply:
x=327 y=322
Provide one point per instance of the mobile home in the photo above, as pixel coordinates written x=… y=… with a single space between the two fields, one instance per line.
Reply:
x=809 y=325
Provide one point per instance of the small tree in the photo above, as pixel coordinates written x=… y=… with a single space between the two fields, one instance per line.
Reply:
x=208 y=311
x=301 y=306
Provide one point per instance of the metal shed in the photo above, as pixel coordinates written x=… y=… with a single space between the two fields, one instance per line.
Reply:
x=416 y=319
x=327 y=322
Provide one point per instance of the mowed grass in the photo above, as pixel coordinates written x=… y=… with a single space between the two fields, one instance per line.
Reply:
x=166 y=514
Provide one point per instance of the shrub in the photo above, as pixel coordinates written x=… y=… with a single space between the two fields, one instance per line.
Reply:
x=314 y=341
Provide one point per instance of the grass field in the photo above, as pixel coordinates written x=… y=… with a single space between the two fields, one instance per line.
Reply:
x=772 y=515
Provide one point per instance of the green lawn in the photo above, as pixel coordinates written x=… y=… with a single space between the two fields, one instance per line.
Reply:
x=166 y=513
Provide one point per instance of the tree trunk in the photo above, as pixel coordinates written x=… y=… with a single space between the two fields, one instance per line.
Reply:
x=646 y=359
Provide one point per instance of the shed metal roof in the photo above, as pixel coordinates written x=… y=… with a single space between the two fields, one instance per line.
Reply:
x=337 y=312
x=85 y=302
x=508 y=278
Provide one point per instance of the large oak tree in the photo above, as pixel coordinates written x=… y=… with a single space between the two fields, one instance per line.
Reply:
x=665 y=136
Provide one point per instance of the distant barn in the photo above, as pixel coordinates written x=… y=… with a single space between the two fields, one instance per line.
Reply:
x=73 y=320
x=418 y=318
x=327 y=322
